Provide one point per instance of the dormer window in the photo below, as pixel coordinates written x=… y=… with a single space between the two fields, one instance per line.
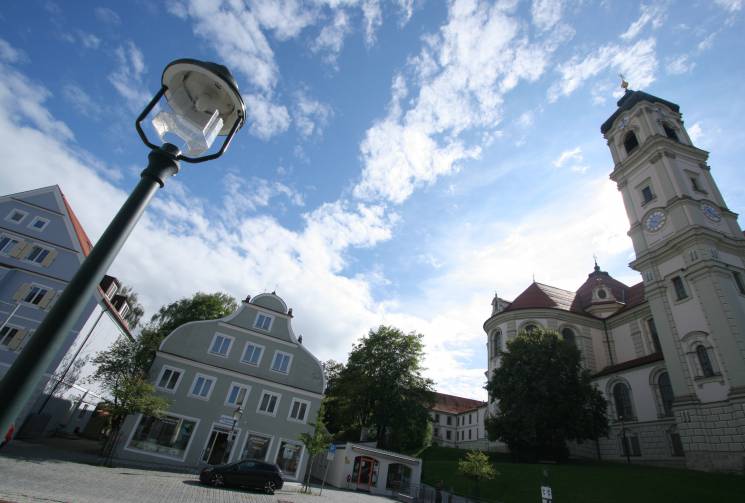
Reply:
x=602 y=294
x=630 y=142
x=670 y=132
x=263 y=321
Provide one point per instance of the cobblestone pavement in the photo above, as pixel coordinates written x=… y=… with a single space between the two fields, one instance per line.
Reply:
x=27 y=479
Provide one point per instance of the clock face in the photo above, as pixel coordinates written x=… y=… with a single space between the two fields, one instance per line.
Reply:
x=711 y=212
x=655 y=220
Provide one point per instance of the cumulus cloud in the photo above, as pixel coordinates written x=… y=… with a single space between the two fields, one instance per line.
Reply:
x=265 y=118
x=679 y=65
x=546 y=13
x=310 y=115
x=729 y=5
x=10 y=54
x=331 y=37
x=106 y=15
x=81 y=101
x=574 y=159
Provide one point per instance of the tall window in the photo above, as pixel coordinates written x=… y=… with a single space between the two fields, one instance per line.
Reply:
x=7 y=244
x=630 y=142
x=622 y=400
x=696 y=186
x=263 y=321
x=252 y=354
x=666 y=394
x=647 y=194
x=202 y=386
x=653 y=335
x=670 y=132
x=220 y=345
x=707 y=369
x=268 y=403
x=169 y=378
x=496 y=343
x=35 y=294
x=37 y=254
x=568 y=335
x=530 y=328
x=281 y=362
x=298 y=410
x=237 y=394
x=680 y=289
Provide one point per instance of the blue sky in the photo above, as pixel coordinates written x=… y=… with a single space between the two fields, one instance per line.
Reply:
x=402 y=160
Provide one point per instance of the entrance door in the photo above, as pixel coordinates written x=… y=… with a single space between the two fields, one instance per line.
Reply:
x=366 y=470
x=217 y=447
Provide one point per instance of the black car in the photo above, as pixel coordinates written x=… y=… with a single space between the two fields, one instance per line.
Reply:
x=246 y=473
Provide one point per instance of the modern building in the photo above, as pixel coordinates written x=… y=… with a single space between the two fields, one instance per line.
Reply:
x=458 y=422
x=42 y=245
x=240 y=387
x=668 y=353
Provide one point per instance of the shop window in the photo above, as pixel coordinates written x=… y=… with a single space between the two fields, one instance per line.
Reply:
x=166 y=436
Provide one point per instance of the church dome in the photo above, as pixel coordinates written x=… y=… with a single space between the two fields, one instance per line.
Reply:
x=599 y=288
x=270 y=301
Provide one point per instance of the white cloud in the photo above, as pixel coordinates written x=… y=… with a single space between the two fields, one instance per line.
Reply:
x=244 y=196
x=127 y=78
x=574 y=159
x=526 y=119
x=331 y=38
x=730 y=5
x=546 y=13
x=311 y=116
x=10 y=54
x=89 y=40
x=265 y=118
x=106 y=15
x=81 y=101
x=462 y=74
x=696 y=133
x=680 y=64
x=637 y=62
x=653 y=15
x=286 y=18
x=373 y=16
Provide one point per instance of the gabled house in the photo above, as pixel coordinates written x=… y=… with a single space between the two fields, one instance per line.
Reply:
x=241 y=387
x=42 y=245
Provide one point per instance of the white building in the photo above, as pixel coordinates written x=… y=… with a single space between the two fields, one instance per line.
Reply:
x=669 y=352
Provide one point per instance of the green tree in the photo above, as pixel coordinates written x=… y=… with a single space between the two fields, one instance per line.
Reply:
x=315 y=443
x=477 y=467
x=381 y=390
x=201 y=306
x=126 y=381
x=545 y=398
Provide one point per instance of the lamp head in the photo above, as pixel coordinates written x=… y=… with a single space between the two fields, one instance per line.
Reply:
x=204 y=103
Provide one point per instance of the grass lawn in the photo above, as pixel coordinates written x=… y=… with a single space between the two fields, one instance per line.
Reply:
x=586 y=482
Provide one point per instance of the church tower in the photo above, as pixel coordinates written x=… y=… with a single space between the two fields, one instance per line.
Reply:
x=690 y=252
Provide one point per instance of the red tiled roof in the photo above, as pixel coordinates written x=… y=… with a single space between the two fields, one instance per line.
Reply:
x=596 y=278
x=539 y=295
x=455 y=404
x=85 y=243
x=637 y=362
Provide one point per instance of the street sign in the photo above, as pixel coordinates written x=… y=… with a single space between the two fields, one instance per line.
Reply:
x=331 y=453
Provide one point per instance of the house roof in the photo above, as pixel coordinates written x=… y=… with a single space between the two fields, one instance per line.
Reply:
x=452 y=404
x=630 y=364
x=628 y=100
x=538 y=295
x=85 y=242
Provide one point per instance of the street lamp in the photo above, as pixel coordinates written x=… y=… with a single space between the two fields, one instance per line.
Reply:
x=237 y=413
x=203 y=102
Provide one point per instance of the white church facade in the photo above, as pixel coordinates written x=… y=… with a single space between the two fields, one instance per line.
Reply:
x=669 y=352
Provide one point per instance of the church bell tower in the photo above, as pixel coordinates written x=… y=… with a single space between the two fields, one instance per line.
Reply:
x=690 y=252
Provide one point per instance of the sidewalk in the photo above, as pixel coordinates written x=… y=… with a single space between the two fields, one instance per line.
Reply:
x=43 y=472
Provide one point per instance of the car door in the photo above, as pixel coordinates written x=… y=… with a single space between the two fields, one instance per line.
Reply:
x=247 y=473
x=232 y=475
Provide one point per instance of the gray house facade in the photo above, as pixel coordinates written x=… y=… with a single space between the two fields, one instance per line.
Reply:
x=240 y=387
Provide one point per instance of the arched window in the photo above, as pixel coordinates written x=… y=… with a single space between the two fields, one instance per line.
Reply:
x=630 y=142
x=496 y=343
x=704 y=361
x=622 y=400
x=666 y=393
x=530 y=328
x=670 y=132
x=568 y=335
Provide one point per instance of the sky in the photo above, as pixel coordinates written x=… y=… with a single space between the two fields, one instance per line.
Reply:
x=402 y=161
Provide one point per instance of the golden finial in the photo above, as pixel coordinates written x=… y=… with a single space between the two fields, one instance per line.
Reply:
x=624 y=84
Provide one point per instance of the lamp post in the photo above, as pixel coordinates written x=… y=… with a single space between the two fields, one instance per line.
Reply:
x=204 y=103
x=626 y=446
x=237 y=413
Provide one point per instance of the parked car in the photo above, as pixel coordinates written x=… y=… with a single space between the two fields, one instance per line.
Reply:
x=246 y=473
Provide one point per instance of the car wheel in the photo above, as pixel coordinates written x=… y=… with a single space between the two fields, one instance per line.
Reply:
x=269 y=487
x=217 y=480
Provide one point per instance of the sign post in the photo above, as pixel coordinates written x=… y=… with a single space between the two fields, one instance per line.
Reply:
x=546 y=493
x=329 y=459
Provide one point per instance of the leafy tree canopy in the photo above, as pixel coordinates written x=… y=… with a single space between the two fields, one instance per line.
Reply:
x=381 y=389
x=545 y=398
x=201 y=306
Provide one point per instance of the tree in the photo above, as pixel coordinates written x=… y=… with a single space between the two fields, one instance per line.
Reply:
x=201 y=306
x=315 y=443
x=545 y=398
x=478 y=467
x=381 y=390
x=135 y=312
x=119 y=373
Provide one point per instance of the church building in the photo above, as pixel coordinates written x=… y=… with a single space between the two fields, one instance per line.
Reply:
x=668 y=353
